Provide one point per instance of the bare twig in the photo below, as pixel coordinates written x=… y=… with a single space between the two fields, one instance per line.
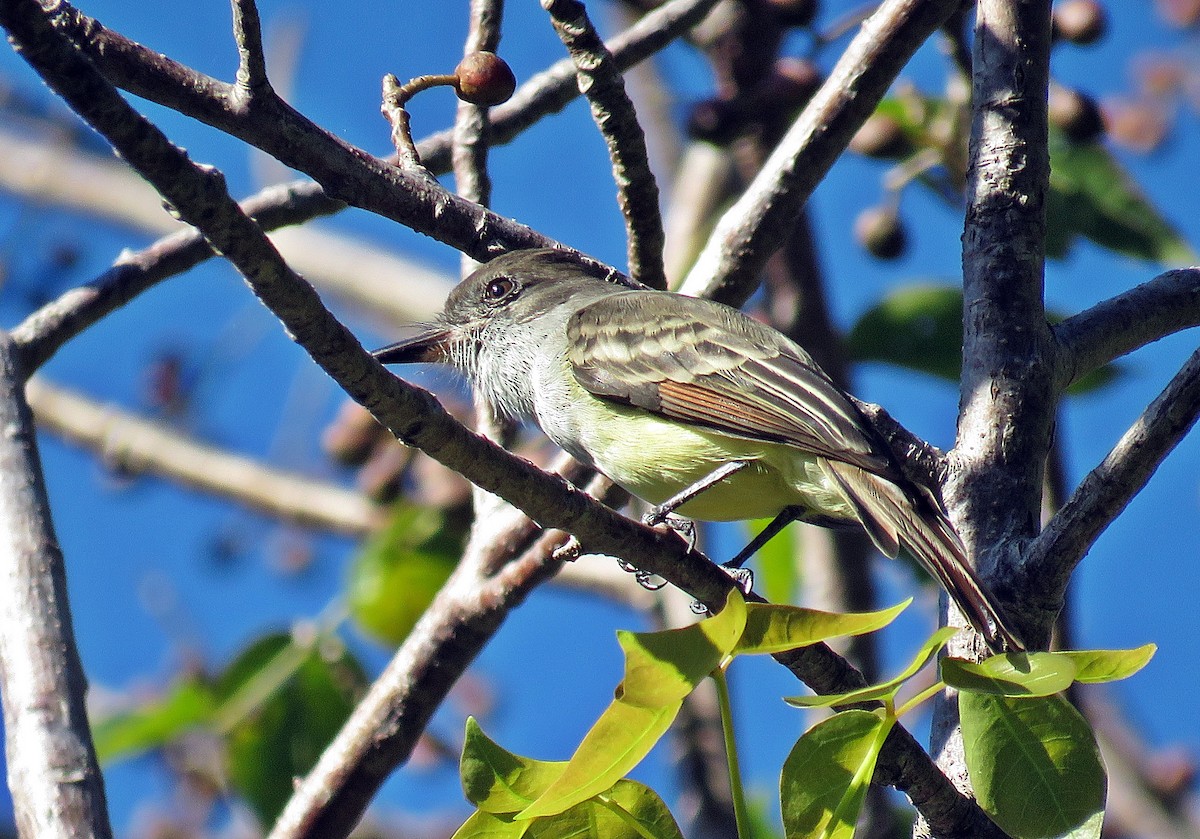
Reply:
x=1112 y=484
x=139 y=445
x=385 y=284
x=472 y=125
x=252 y=60
x=1164 y=305
x=55 y=780
x=755 y=226
x=395 y=97
x=637 y=191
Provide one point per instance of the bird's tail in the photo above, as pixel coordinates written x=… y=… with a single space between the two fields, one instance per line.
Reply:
x=892 y=517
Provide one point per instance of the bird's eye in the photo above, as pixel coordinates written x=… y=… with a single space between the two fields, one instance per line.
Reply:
x=500 y=289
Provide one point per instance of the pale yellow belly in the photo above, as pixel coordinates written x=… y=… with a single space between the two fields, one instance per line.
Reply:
x=654 y=459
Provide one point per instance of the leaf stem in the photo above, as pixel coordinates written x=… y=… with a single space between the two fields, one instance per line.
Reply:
x=624 y=815
x=741 y=813
x=933 y=690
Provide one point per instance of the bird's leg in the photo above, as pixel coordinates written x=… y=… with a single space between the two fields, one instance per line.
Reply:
x=662 y=512
x=786 y=516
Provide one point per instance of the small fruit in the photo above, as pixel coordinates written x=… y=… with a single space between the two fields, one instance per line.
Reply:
x=878 y=229
x=1075 y=113
x=1080 y=21
x=484 y=78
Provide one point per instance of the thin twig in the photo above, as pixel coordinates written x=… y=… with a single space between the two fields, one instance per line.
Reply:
x=472 y=124
x=252 y=60
x=56 y=784
x=139 y=445
x=755 y=226
x=637 y=191
x=41 y=334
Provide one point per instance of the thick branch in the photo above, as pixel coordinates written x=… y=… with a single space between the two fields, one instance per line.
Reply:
x=1103 y=494
x=55 y=780
x=138 y=445
x=1008 y=397
x=756 y=225
x=1164 y=305
x=637 y=191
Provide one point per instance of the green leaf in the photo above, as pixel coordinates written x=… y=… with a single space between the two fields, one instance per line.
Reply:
x=883 y=690
x=618 y=741
x=483 y=825
x=826 y=775
x=663 y=667
x=1108 y=665
x=627 y=811
x=496 y=780
x=187 y=705
x=772 y=629
x=281 y=706
x=1011 y=674
x=1034 y=763
x=1092 y=196
x=917 y=326
x=396 y=574
x=644 y=807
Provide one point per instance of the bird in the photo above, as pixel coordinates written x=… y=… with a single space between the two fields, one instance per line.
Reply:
x=690 y=405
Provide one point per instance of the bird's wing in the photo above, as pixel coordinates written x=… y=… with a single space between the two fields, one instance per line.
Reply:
x=702 y=363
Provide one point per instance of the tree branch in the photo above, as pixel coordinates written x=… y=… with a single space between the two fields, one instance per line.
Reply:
x=637 y=191
x=1008 y=398
x=252 y=60
x=138 y=445
x=55 y=780
x=1162 y=306
x=757 y=224
x=1103 y=494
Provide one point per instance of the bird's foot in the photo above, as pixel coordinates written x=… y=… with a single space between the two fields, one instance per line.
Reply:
x=644 y=578
x=684 y=527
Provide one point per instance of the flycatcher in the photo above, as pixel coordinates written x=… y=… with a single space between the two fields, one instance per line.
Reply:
x=689 y=402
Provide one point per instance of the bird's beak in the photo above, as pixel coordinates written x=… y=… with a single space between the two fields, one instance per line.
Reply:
x=427 y=346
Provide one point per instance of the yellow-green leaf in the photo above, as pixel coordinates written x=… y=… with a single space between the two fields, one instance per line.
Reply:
x=1109 y=665
x=1011 y=674
x=772 y=629
x=883 y=690
x=663 y=667
x=618 y=741
x=497 y=781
